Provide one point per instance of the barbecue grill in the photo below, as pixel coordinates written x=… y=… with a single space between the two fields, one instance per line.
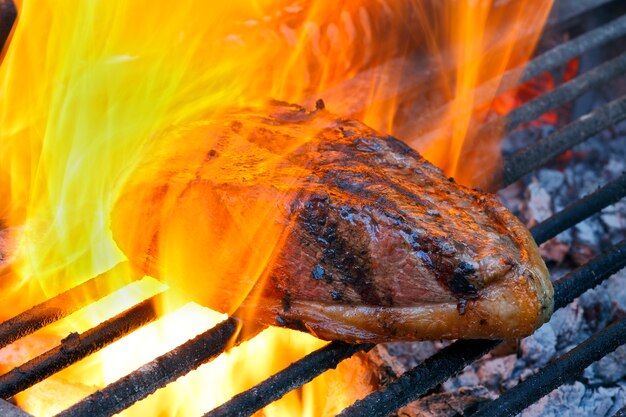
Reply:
x=433 y=371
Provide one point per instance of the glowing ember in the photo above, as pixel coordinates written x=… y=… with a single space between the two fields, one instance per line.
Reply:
x=85 y=87
x=533 y=89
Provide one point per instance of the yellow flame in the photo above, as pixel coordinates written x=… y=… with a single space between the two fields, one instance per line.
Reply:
x=87 y=87
x=484 y=38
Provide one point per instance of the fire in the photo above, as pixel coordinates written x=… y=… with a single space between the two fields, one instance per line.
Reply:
x=88 y=88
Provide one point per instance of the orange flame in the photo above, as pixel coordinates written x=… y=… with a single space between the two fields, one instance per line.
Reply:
x=86 y=87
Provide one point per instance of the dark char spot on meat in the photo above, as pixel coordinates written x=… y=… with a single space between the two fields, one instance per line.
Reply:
x=460 y=283
x=318 y=272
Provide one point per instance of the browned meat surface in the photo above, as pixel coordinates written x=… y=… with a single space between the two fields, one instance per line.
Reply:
x=354 y=236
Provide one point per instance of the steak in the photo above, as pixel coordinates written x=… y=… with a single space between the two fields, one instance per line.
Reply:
x=310 y=221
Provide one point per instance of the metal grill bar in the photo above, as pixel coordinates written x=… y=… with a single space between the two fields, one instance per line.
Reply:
x=9 y=410
x=567 y=91
x=560 y=95
x=621 y=413
x=57 y=307
x=296 y=375
x=575 y=283
x=414 y=383
x=452 y=359
x=142 y=382
x=568 y=9
x=576 y=212
x=561 y=371
x=75 y=347
x=7 y=18
x=534 y=156
x=577 y=46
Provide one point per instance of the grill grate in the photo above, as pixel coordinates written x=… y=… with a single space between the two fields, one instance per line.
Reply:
x=144 y=381
x=563 y=370
x=412 y=384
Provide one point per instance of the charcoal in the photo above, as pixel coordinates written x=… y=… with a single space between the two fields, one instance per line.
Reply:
x=577 y=401
x=494 y=372
x=614 y=221
x=567 y=323
x=467 y=378
x=581 y=253
x=615 y=166
x=512 y=197
x=597 y=307
x=539 y=348
x=609 y=369
x=551 y=180
x=447 y=404
x=410 y=354
x=539 y=204
x=616 y=288
x=589 y=231
x=556 y=249
x=385 y=364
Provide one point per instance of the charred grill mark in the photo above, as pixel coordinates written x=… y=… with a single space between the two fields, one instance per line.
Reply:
x=346 y=132
x=340 y=258
x=397 y=146
x=436 y=254
x=354 y=270
x=357 y=184
x=314 y=214
x=286 y=302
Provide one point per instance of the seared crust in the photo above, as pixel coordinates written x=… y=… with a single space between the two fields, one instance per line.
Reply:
x=368 y=240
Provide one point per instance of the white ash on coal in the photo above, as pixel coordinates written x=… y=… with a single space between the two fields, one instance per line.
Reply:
x=579 y=172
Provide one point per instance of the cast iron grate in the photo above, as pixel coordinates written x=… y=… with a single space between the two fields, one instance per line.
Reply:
x=414 y=383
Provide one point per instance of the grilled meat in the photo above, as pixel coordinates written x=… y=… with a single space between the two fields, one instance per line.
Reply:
x=323 y=225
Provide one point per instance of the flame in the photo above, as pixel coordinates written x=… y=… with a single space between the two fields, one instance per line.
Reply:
x=88 y=88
